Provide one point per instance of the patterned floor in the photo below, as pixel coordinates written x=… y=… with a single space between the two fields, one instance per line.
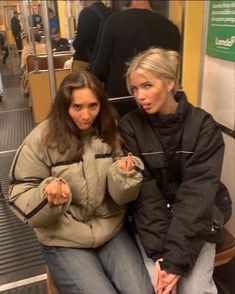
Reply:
x=22 y=269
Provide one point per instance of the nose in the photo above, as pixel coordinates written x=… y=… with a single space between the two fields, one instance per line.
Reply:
x=140 y=95
x=86 y=114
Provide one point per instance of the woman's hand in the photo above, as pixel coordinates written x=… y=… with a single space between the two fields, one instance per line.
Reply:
x=58 y=192
x=126 y=164
x=164 y=282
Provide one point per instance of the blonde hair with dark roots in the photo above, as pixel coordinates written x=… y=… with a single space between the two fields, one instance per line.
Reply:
x=164 y=64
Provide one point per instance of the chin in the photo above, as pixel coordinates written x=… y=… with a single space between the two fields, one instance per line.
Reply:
x=149 y=111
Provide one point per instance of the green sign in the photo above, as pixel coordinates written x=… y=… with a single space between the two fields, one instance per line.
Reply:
x=221 y=30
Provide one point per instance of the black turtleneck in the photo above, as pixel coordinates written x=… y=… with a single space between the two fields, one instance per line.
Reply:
x=169 y=129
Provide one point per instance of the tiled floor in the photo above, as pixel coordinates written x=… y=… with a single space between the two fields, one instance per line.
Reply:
x=21 y=263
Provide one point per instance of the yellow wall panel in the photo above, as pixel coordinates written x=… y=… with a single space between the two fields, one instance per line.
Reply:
x=193 y=28
x=61 y=12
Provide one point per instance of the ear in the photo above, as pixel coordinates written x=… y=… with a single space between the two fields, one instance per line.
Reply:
x=170 y=84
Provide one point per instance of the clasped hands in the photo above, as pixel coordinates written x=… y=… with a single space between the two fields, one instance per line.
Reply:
x=164 y=282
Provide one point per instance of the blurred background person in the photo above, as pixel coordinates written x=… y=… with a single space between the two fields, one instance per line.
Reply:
x=90 y=18
x=53 y=20
x=126 y=33
x=16 y=30
x=3 y=48
x=1 y=88
x=37 y=20
x=58 y=43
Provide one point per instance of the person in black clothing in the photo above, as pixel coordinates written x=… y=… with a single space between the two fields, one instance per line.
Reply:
x=37 y=20
x=89 y=21
x=125 y=34
x=16 y=30
x=177 y=215
x=3 y=48
x=58 y=43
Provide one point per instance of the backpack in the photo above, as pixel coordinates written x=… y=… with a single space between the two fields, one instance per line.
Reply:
x=103 y=12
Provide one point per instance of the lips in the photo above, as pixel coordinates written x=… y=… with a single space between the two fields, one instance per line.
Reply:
x=146 y=106
x=84 y=125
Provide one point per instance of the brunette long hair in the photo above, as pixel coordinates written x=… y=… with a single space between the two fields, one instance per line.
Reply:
x=62 y=132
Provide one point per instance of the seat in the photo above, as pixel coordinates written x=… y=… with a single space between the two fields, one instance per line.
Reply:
x=51 y=288
x=41 y=95
x=40 y=61
x=226 y=250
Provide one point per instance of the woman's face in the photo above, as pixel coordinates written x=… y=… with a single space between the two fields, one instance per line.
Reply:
x=84 y=108
x=151 y=92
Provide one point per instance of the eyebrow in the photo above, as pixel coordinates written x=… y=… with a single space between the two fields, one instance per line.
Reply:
x=142 y=84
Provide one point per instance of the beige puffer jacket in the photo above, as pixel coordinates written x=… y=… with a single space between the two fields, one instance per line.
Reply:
x=100 y=190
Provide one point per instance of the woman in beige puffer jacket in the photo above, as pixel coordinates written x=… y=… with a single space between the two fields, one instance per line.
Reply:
x=70 y=184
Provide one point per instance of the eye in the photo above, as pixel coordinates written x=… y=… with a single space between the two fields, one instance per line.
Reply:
x=147 y=85
x=93 y=106
x=76 y=106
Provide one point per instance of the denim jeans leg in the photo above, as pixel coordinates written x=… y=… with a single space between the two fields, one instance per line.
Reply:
x=124 y=265
x=77 y=271
x=200 y=279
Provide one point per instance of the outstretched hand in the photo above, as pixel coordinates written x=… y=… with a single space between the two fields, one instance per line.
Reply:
x=58 y=192
x=126 y=164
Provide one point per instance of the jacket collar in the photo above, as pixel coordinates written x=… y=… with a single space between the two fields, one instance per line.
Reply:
x=171 y=122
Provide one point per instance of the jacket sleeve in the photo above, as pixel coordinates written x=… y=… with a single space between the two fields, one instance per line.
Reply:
x=124 y=186
x=29 y=175
x=151 y=215
x=193 y=207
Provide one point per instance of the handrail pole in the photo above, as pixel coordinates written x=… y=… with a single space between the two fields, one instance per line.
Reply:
x=49 y=49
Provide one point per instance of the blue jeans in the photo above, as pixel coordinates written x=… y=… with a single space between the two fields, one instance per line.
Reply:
x=199 y=280
x=115 y=267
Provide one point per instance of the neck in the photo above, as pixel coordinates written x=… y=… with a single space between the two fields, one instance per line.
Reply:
x=140 y=4
x=170 y=107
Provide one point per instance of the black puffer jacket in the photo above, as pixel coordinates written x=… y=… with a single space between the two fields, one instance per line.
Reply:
x=194 y=150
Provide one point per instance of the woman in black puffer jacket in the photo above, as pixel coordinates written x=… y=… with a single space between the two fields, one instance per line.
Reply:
x=182 y=150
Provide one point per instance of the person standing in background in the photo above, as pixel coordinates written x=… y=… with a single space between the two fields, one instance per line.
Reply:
x=37 y=20
x=53 y=20
x=89 y=21
x=3 y=48
x=126 y=33
x=1 y=88
x=16 y=30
